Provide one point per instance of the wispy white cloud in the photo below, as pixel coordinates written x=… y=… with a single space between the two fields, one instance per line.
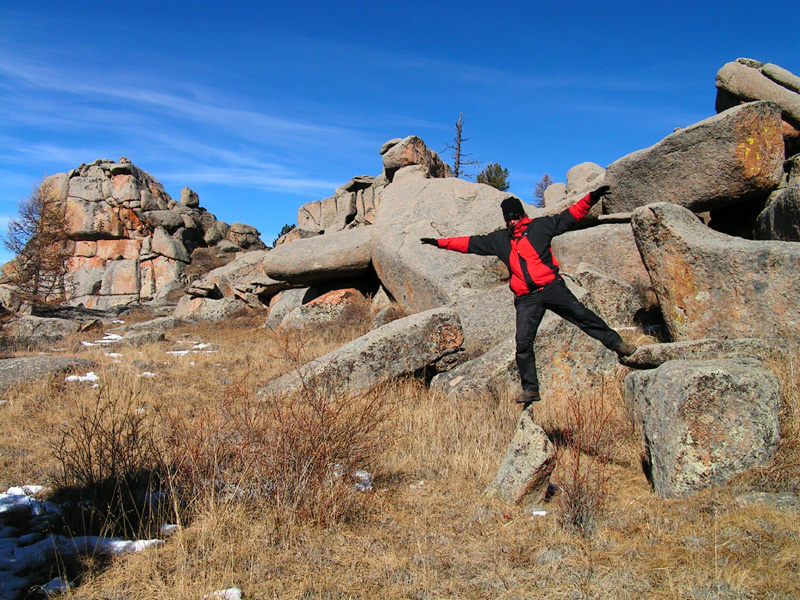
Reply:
x=251 y=178
x=83 y=88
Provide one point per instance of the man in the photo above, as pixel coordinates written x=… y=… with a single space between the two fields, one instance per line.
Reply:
x=524 y=247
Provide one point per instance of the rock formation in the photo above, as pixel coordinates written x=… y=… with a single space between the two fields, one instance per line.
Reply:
x=645 y=255
x=130 y=241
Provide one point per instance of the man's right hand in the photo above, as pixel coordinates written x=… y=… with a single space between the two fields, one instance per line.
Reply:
x=430 y=241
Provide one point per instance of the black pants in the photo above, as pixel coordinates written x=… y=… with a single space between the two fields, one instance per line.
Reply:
x=530 y=311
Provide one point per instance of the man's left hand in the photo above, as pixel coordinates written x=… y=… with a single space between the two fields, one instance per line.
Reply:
x=595 y=195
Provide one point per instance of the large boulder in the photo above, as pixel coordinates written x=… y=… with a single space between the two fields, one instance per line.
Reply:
x=780 y=220
x=421 y=277
x=723 y=160
x=609 y=249
x=705 y=421
x=621 y=304
x=524 y=475
x=168 y=219
x=245 y=236
x=711 y=285
x=490 y=374
x=487 y=318
x=166 y=245
x=745 y=81
x=354 y=203
x=282 y=303
x=43 y=328
x=240 y=273
x=410 y=151
x=321 y=258
x=330 y=309
x=208 y=309
x=398 y=348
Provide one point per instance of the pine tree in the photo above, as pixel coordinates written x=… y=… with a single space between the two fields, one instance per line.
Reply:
x=495 y=176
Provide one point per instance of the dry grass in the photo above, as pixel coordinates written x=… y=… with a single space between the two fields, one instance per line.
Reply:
x=426 y=530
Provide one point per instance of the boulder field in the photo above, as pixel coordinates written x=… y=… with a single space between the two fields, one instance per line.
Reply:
x=657 y=253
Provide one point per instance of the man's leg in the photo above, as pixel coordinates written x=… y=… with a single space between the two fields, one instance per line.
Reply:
x=561 y=301
x=529 y=315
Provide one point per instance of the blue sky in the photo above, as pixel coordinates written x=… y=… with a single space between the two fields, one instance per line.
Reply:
x=261 y=107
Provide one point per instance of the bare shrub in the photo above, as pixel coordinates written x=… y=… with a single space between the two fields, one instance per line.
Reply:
x=110 y=462
x=584 y=457
x=302 y=452
x=39 y=239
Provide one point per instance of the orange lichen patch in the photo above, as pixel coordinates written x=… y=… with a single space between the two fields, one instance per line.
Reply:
x=77 y=263
x=450 y=337
x=683 y=287
x=130 y=219
x=761 y=149
x=109 y=249
x=338 y=297
x=120 y=180
x=85 y=248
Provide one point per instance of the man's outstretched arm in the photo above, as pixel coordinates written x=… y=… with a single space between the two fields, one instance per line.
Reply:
x=582 y=207
x=459 y=244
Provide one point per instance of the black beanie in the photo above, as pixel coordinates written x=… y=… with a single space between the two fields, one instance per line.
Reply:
x=512 y=207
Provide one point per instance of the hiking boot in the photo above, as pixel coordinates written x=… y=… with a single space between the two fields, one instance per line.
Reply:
x=625 y=349
x=528 y=396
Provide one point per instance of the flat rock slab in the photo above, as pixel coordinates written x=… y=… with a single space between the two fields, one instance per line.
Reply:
x=18 y=370
x=398 y=348
x=783 y=501
x=159 y=324
x=650 y=356
x=712 y=285
x=525 y=472
x=321 y=258
x=491 y=374
x=705 y=421
x=46 y=328
x=720 y=161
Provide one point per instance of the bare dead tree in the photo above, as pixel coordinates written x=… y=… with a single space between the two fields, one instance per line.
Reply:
x=539 y=188
x=38 y=237
x=460 y=159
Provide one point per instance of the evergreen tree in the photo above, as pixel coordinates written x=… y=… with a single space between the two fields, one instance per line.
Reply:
x=284 y=230
x=495 y=176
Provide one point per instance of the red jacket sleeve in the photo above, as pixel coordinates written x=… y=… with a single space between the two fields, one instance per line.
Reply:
x=459 y=244
x=581 y=208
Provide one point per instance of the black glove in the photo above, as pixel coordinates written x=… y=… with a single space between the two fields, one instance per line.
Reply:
x=430 y=241
x=595 y=195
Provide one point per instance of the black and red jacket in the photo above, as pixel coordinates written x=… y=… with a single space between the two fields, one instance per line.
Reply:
x=525 y=251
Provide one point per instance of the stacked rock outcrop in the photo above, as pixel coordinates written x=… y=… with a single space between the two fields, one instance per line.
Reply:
x=130 y=241
x=356 y=203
